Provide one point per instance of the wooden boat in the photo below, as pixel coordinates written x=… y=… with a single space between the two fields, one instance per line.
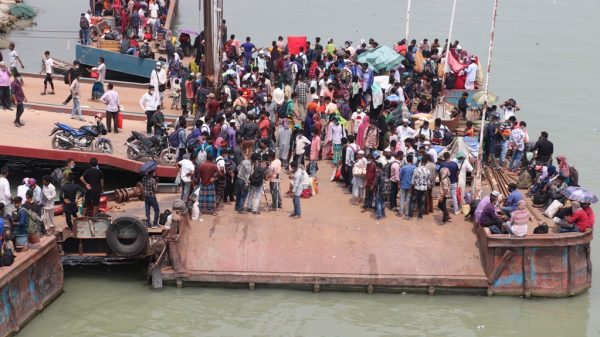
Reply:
x=122 y=66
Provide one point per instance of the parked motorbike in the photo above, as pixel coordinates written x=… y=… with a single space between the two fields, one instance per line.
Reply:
x=66 y=137
x=154 y=147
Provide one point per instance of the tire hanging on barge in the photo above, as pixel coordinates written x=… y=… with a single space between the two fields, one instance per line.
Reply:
x=136 y=241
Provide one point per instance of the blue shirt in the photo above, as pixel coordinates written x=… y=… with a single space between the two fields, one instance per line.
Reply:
x=1 y=230
x=513 y=199
x=248 y=46
x=453 y=168
x=406 y=174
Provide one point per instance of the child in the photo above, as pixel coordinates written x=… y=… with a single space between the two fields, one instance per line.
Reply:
x=315 y=148
x=469 y=131
x=176 y=94
x=189 y=93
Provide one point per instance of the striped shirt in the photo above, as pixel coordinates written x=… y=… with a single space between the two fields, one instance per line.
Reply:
x=519 y=220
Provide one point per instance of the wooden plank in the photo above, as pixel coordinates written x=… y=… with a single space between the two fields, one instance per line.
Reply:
x=540 y=240
x=504 y=261
x=527 y=271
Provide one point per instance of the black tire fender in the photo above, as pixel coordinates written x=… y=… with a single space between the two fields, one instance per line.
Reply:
x=127 y=250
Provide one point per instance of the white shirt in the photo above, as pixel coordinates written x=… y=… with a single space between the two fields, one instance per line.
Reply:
x=13 y=58
x=4 y=191
x=405 y=132
x=149 y=102
x=400 y=93
x=22 y=191
x=153 y=10
x=433 y=154
x=49 y=193
x=509 y=113
x=301 y=142
x=357 y=119
x=48 y=63
x=186 y=167
x=471 y=72
x=101 y=72
x=157 y=78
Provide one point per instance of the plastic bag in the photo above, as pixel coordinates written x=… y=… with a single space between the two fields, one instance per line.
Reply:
x=195 y=211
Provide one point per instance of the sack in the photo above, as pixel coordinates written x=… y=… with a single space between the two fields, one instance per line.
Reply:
x=162 y=218
x=57 y=177
x=550 y=212
x=8 y=256
x=524 y=180
x=34 y=222
x=541 y=229
x=539 y=198
x=174 y=138
x=358 y=171
x=195 y=211
x=84 y=23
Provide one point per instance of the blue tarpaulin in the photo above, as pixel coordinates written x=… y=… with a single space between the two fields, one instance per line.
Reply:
x=382 y=58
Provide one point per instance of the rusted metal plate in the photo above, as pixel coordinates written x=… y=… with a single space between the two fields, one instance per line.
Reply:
x=31 y=283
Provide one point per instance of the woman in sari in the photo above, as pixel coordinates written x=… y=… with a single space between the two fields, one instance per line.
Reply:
x=360 y=135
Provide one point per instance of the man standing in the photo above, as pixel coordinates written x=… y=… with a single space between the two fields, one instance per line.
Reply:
x=471 y=74
x=48 y=196
x=14 y=60
x=243 y=184
x=544 y=149
x=395 y=167
x=205 y=176
x=248 y=133
x=302 y=91
x=98 y=87
x=111 y=99
x=18 y=97
x=150 y=184
x=158 y=119
x=158 y=79
x=452 y=166
x=84 y=25
x=148 y=103
x=297 y=188
x=274 y=182
x=69 y=199
x=93 y=180
x=420 y=184
x=406 y=175
x=257 y=179
x=5 y=196
x=47 y=63
x=248 y=49
x=76 y=95
x=186 y=170
x=72 y=73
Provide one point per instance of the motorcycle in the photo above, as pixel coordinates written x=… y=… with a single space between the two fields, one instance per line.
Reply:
x=155 y=147
x=66 y=137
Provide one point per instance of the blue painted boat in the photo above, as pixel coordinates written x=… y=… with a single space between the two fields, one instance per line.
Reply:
x=116 y=62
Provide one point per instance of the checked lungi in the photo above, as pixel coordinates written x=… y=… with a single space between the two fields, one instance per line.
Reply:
x=206 y=198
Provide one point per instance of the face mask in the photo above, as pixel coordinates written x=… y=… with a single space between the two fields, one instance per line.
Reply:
x=72 y=166
x=419 y=157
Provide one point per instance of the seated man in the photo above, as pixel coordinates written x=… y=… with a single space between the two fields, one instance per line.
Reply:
x=510 y=205
x=489 y=217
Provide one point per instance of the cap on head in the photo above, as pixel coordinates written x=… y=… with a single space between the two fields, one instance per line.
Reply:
x=495 y=194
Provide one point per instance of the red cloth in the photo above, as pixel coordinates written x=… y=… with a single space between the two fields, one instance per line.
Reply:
x=590 y=214
x=263 y=127
x=371 y=174
x=294 y=44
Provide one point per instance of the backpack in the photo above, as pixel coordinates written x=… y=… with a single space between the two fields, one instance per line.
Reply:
x=541 y=229
x=257 y=177
x=446 y=136
x=174 y=138
x=34 y=221
x=57 y=177
x=162 y=218
x=84 y=23
x=8 y=256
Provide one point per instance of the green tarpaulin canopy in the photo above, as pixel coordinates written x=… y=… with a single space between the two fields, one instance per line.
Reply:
x=382 y=58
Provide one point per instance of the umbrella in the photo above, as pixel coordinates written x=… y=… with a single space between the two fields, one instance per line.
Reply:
x=188 y=31
x=479 y=98
x=579 y=194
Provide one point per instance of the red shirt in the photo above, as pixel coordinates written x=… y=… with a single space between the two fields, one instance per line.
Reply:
x=216 y=130
x=212 y=108
x=581 y=219
x=263 y=127
x=205 y=172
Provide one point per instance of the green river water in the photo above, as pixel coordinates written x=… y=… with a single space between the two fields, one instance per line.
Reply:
x=545 y=57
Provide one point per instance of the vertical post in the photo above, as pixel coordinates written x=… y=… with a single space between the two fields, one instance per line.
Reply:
x=407 y=21
x=479 y=165
x=209 y=62
x=449 y=41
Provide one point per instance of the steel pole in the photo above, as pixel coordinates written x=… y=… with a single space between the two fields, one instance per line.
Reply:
x=449 y=41
x=479 y=165
x=407 y=21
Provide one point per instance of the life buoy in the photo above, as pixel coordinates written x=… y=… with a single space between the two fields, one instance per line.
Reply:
x=133 y=245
